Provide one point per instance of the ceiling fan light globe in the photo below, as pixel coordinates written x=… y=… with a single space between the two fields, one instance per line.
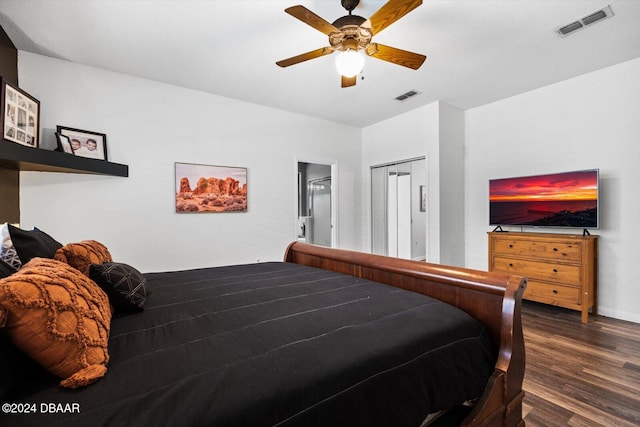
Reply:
x=349 y=63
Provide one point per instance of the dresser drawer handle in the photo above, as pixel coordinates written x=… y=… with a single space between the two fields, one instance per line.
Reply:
x=555 y=270
x=510 y=265
x=555 y=249
x=555 y=291
x=510 y=246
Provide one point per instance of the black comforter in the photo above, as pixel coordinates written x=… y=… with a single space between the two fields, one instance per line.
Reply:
x=274 y=344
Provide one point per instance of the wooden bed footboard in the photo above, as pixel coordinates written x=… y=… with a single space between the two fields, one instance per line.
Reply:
x=493 y=299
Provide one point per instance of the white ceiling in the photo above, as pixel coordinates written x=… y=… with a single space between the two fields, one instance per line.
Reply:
x=478 y=51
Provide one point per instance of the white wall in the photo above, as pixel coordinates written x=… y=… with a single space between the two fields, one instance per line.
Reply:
x=592 y=121
x=451 y=156
x=151 y=125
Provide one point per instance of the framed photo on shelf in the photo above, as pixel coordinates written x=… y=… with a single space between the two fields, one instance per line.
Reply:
x=205 y=188
x=19 y=116
x=85 y=143
x=64 y=144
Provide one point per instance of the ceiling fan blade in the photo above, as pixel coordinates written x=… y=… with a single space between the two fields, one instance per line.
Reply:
x=395 y=55
x=348 y=81
x=390 y=12
x=310 y=18
x=305 y=57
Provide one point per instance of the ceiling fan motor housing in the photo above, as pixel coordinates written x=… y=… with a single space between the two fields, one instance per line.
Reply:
x=351 y=35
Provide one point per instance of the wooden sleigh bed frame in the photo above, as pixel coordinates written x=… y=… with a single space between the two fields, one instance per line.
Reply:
x=311 y=341
x=493 y=299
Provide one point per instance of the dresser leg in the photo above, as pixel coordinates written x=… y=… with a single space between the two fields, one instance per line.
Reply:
x=585 y=307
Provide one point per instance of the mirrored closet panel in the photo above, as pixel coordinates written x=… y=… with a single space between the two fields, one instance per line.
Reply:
x=399 y=210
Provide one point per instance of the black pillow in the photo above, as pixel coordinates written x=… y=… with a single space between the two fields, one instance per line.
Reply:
x=6 y=270
x=16 y=368
x=125 y=286
x=33 y=243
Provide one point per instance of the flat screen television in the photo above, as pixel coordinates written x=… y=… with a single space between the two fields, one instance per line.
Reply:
x=566 y=199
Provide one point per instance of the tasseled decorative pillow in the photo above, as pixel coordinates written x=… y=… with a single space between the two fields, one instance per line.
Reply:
x=58 y=317
x=82 y=254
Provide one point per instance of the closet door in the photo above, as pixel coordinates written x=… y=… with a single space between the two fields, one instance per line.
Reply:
x=398 y=222
x=401 y=226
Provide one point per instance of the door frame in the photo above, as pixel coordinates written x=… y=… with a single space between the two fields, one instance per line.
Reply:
x=334 y=195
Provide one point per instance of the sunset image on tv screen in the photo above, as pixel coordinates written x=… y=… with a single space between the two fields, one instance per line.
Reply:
x=568 y=199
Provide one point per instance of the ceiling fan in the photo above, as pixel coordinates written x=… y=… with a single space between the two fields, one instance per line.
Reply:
x=351 y=34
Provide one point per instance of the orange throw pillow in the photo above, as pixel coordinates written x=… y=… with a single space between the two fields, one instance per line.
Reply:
x=58 y=317
x=82 y=254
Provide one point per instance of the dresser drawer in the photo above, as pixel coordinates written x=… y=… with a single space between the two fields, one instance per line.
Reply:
x=550 y=293
x=559 y=251
x=547 y=271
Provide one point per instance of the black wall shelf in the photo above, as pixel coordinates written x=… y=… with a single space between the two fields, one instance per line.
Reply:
x=23 y=158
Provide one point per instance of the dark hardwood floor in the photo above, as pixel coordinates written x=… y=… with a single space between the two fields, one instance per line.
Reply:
x=580 y=374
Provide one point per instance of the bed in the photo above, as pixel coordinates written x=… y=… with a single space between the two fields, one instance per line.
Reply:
x=327 y=337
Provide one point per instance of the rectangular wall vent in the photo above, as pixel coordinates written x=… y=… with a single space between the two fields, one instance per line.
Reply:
x=407 y=95
x=592 y=18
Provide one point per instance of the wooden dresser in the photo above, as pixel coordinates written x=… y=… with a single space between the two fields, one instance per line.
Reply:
x=561 y=269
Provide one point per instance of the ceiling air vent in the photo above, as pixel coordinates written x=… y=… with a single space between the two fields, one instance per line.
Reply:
x=407 y=95
x=594 y=17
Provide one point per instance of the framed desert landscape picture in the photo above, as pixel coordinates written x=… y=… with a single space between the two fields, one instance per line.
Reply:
x=206 y=188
